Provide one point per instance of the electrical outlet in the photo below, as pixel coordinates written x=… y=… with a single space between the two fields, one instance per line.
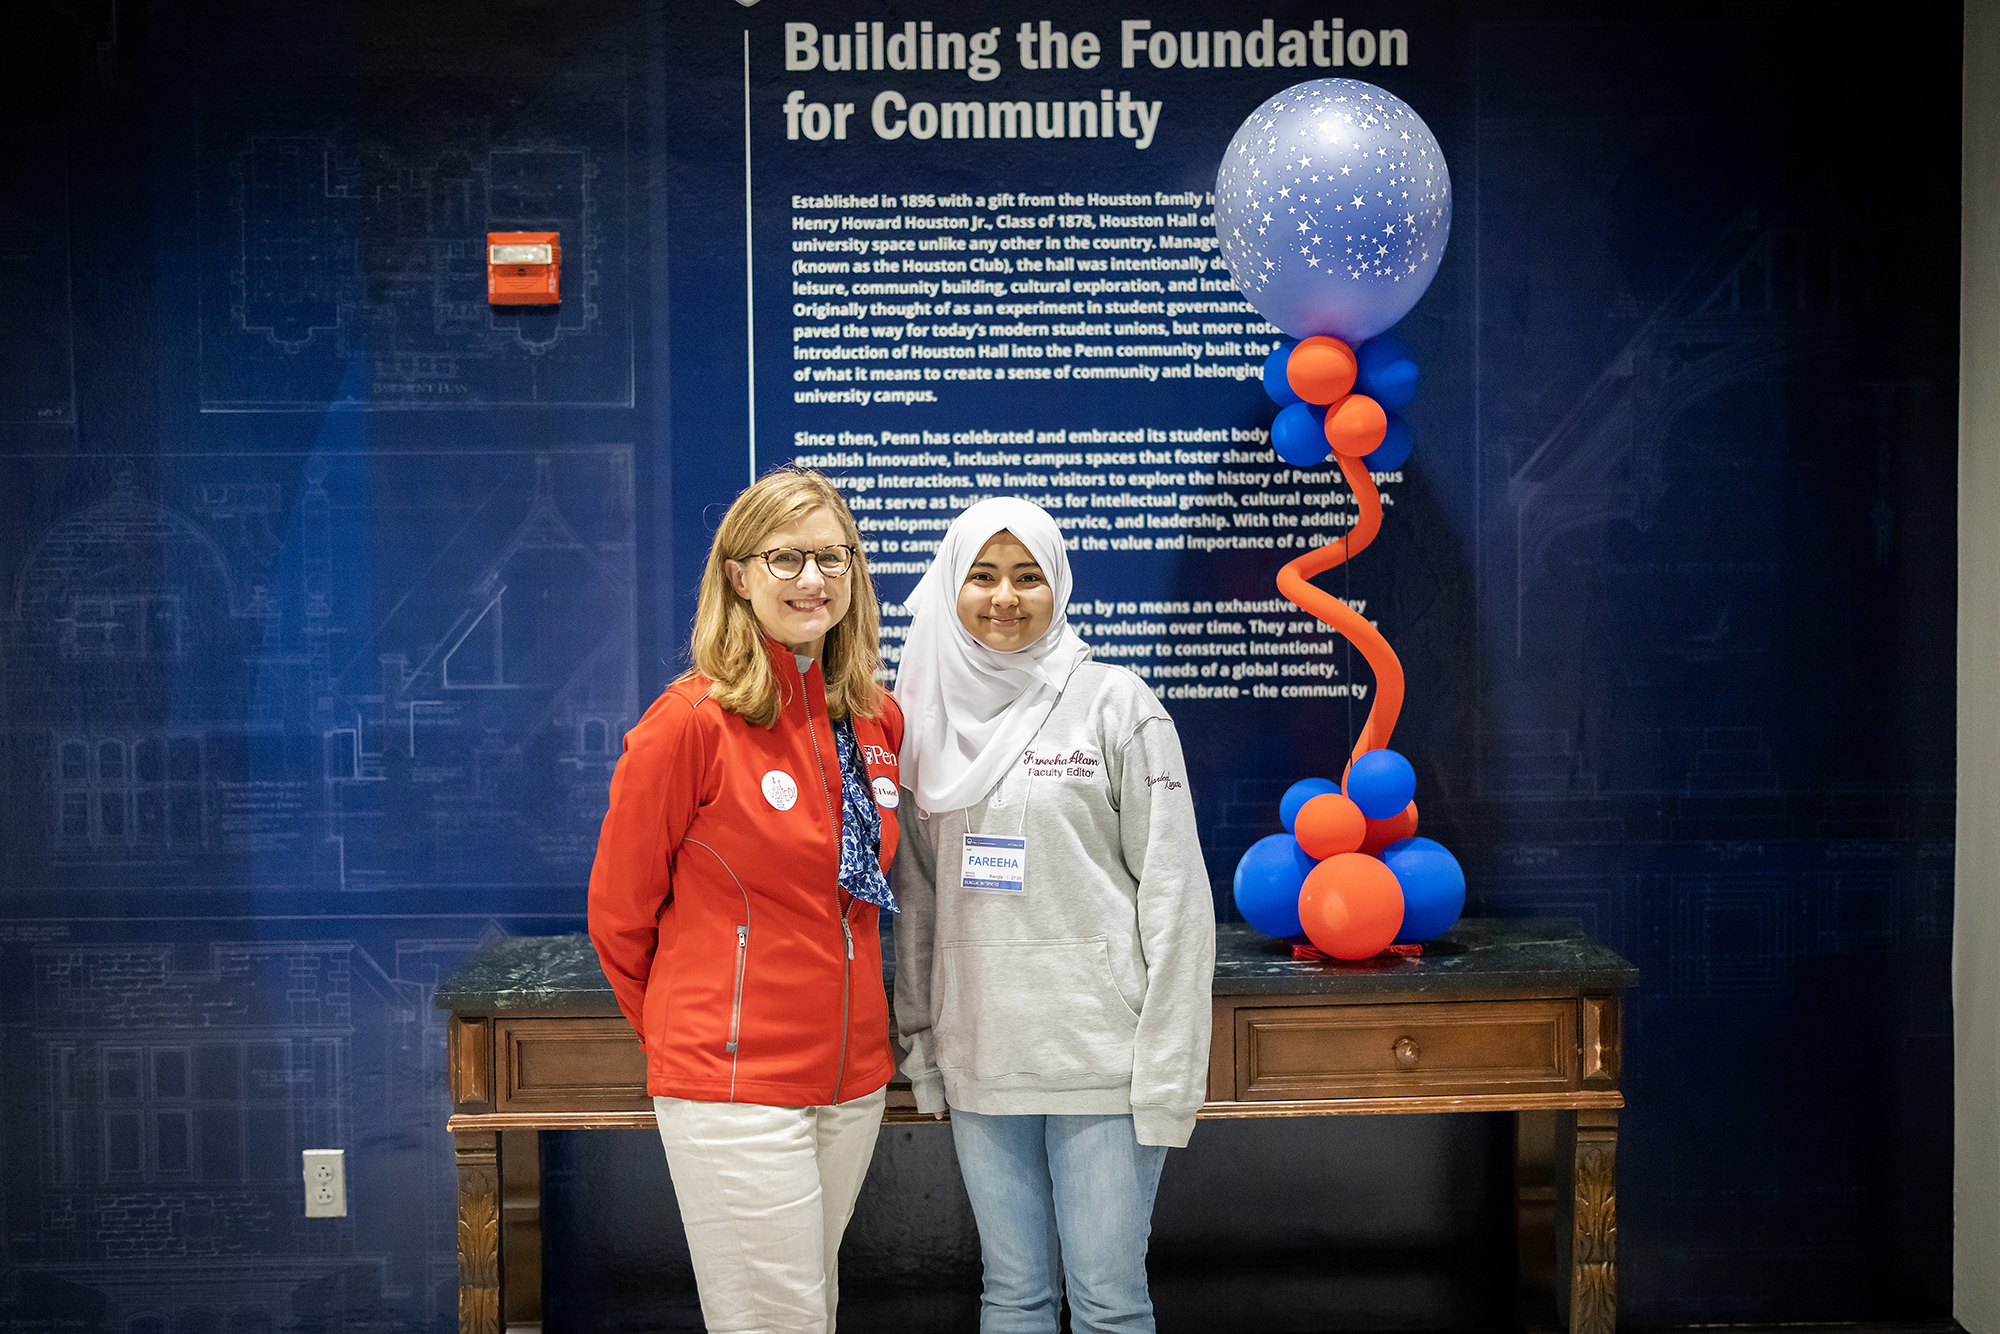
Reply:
x=326 y=1183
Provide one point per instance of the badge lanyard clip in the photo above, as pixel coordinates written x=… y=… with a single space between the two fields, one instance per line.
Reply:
x=998 y=863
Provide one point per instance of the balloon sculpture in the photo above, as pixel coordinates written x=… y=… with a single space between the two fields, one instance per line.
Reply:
x=1333 y=206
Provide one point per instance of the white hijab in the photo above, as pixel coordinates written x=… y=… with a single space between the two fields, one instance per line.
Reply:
x=970 y=710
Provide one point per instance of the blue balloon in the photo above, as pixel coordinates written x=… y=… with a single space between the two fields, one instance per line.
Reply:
x=1332 y=206
x=1433 y=887
x=1385 y=370
x=1268 y=880
x=1275 y=383
x=1301 y=792
x=1299 y=435
x=1381 y=783
x=1394 y=451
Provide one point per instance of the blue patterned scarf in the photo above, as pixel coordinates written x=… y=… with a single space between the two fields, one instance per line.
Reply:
x=860 y=826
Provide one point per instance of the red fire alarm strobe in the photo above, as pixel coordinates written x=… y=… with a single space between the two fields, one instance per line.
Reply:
x=523 y=268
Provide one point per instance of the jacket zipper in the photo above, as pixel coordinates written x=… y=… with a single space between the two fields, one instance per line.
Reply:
x=846 y=929
x=742 y=961
x=736 y=1004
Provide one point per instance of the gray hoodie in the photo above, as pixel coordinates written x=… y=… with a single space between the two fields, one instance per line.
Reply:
x=1088 y=990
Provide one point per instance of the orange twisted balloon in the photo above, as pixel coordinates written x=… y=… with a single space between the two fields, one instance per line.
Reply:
x=1293 y=582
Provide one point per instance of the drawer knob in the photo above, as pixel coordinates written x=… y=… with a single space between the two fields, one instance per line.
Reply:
x=1406 y=1051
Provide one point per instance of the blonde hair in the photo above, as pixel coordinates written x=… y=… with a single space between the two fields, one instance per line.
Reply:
x=728 y=642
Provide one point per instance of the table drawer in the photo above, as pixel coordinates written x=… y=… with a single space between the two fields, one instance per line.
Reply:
x=569 y=1064
x=1366 y=1051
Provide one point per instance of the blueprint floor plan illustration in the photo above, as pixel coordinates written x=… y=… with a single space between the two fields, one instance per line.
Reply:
x=343 y=265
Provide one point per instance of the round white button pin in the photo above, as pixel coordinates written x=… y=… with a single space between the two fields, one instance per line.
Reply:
x=780 y=790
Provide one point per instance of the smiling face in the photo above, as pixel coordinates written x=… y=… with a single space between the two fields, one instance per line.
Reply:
x=796 y=612
x=1006 y=601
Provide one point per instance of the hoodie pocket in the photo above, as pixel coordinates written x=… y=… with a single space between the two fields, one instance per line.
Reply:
x=1034 y=1013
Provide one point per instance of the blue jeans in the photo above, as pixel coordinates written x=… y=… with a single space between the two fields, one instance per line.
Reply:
x=1060 y=1199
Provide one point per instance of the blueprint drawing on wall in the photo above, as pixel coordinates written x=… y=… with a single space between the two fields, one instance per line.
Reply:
x=343 y=262
x=330 y=671
x=175 y=1067
x=37 y=379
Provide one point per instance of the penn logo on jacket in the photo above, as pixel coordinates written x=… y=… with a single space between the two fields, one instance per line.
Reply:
x=885 y=793
x=780 y=789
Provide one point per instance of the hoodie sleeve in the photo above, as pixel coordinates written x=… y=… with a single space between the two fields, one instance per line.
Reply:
x=655 y=792
x=914 y=880
x=1176 y=930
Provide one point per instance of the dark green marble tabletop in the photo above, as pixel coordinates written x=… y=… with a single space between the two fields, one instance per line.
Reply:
x=559 y=974
x=1477 y=954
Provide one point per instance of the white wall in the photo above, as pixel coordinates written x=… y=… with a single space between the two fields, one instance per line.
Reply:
x=1976 y=934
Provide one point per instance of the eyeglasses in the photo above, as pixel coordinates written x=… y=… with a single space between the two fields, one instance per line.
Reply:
x=790 y=562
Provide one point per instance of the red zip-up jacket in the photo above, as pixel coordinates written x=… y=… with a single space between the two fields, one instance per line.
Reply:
x=749 y=974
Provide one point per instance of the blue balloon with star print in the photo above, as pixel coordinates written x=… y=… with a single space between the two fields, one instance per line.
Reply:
x=1333 y=206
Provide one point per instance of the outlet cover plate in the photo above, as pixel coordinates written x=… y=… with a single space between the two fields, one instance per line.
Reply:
x=326 y=1183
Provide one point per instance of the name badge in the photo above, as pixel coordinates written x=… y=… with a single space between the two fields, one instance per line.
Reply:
x=994 y=863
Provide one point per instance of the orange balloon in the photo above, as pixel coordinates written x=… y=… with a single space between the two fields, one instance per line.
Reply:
x=1329 y=825
x=1321 y=370
x=1381 y=833
x=1355 y=425
x=1351 y=906
x=1294 y=581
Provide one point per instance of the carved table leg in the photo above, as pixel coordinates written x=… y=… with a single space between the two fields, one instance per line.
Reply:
x=478 y=1155
x=521 y=1229
x=1587 y=1221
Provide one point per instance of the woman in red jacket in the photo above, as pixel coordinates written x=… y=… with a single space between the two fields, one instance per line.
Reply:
x=734 y=904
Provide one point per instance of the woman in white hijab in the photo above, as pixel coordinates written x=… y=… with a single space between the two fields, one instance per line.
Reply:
x=1056 y=947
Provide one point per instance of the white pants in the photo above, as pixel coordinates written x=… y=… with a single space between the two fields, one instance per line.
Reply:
x=765 y=1194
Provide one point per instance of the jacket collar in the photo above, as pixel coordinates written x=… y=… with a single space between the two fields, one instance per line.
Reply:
x=786 y=664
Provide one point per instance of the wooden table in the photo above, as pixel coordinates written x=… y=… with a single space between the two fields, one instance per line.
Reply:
x=1498 y=1015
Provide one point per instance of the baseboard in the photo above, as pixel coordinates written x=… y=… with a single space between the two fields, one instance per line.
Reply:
x=1805 y=1327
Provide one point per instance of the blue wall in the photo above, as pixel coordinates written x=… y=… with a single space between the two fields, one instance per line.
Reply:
x=326 y=592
